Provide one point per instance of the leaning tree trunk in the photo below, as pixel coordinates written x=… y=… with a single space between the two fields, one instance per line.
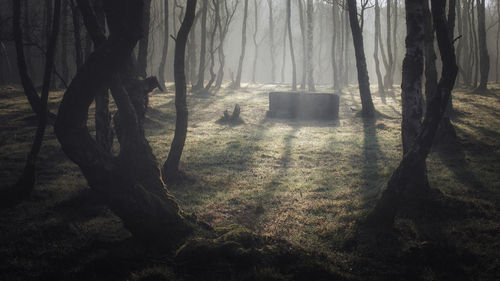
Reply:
x=310 y=37
x=129 y=183
x=171 y=165
x=368 y=109
x=375 y=49
x=290 y=39
x=203 y=47
x=164 y=53
x=26 y=182
x=484 y=58
x=28 y=86
x=243 y=47
x=403 y=179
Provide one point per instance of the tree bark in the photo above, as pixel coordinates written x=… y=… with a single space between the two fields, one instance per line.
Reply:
x=161 y=71
x=413 y=64
x=484 y=58
x=375 y=50
x=368 y=109
x=77 y=34
x=404 y=180
x=290 y=38
x=335 y=67
x=310 y=38
x=64 y=44
x=28 y=86
x=203 y=46
x=26 y=182
x=142 y=55
x=243 y=46
x=256 y=46
x=389 y=72
x=215 y=20
x=129 y=183
x=271 y=41
x=171 y=165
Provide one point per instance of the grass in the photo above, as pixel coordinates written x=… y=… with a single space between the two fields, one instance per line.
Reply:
x=307 y=182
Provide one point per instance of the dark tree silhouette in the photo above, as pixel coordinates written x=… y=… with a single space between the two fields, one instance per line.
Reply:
x=27 y=82
x=404 y=182
x=203 y=46
x=368 y=109
x=484 y=58
x=26 y=182
x=129 y=183
x=142 y=55
x=171 y=165
x=237 y=82
x=290 y=41
x=163 y=62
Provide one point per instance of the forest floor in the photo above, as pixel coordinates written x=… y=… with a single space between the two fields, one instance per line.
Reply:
x=307 y=182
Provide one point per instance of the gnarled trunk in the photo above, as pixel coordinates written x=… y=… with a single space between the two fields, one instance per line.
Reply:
x=129 y=183
x=243 y=47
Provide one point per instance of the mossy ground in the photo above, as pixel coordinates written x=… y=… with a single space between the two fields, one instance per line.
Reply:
x=307 y=183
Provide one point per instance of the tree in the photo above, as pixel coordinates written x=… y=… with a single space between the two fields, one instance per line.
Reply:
x=375 y=50
x=304 y=45
x=164 y=53
x=171 y=165
x=27 y=82
x=404 y=182
x=271 y=40
x=243 y=46
x=484 y=58
x=310 y=37
x=215 y=20
x=224 y=24
x=368 y=109
x=335 y=33
x=203 y=46
x=142 y=54
x=130 y=183
x=290 y=38
x=255 y=31
x=26 y=182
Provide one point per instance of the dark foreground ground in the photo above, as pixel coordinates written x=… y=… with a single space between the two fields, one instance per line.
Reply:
x=285 y=197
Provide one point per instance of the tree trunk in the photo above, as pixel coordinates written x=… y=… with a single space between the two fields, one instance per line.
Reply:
x=404 y=181
x=368 y=109
x=161 y=71
x=497 y=49
x=283 y=52
x=203 y=46
x=215 y=20
x=290 y=38
x=375 y=51
x=129 y=183
x=64 y=44
x=142 y=55
x=476 y=46
x=271 y=41
x=484 y=58
x=256 y=46
x=77 y=35
x=26 y=182
x=171 y=165
x=310 y=38
x=335 y=67
x=390 y=70
x=28 y=86
x=243 y=46
x=304 y=46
